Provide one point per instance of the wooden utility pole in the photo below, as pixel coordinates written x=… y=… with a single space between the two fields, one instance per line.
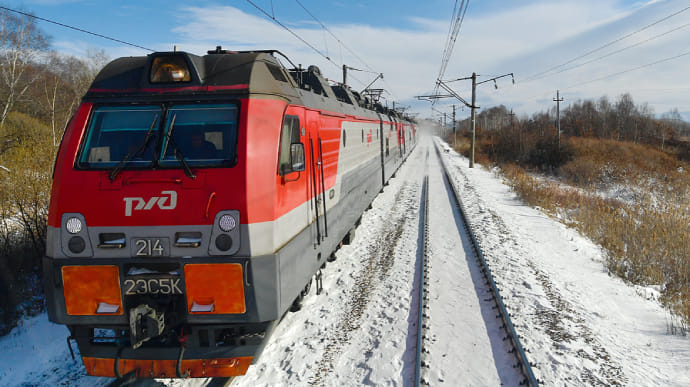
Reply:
x=558 y=101
x=473 y=107
x=445 y=127
x=455 y=137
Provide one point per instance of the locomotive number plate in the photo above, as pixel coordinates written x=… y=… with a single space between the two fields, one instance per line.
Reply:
x=150 y=247
x=153 y=285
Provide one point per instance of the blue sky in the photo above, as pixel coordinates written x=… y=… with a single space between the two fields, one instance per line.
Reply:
x=404 y=40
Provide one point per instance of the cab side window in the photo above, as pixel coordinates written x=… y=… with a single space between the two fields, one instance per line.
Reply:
x=289 y=135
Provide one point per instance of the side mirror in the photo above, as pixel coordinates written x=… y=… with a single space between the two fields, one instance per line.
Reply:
x=297 y=157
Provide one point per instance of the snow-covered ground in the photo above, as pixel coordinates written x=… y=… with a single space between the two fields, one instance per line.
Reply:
x=580 y=326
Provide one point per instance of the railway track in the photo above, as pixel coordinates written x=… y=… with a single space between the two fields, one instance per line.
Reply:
x=423 y=260
x=511 y=336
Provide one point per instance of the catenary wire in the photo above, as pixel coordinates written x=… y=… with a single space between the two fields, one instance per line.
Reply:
x=535 y=76
x=630 y=70
x=275 y=20
x=614 y=52
x=369 y=69
x=336 y=38
x=454 y=29
x=75 y=28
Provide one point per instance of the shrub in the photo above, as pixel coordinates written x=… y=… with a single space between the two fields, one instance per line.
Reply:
x=548 y=154
x=647 y=244
x=24 y=196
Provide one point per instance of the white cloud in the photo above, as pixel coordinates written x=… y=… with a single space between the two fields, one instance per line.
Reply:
x=525 y=39
x=653 y=84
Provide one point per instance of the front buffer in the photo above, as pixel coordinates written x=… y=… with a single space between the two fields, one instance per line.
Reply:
x=186 y=317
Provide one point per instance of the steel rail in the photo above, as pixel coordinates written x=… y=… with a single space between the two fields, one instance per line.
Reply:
x=422 y=257
x=518 y=351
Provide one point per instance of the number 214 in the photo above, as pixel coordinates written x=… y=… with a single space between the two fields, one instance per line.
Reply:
x=148 y=247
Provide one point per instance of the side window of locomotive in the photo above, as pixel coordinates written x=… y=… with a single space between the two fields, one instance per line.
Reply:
x=117 y=133
x=204 y=135
x=289 y=135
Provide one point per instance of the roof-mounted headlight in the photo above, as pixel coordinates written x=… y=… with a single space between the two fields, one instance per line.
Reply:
x=169 y=69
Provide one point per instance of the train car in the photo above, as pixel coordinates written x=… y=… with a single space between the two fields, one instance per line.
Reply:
x=195 y=198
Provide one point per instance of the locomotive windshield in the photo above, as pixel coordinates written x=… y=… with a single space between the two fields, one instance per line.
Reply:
x=137 y=137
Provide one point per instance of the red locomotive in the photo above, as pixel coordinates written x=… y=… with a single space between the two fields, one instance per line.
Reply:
x=195 y=198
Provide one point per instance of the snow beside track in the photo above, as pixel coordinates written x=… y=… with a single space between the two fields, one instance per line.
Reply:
x=580 y=325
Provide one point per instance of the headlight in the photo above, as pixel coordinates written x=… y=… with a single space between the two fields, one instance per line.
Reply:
x=73 y=225
x=76 y=244
x=223 y=242
x=227 y=223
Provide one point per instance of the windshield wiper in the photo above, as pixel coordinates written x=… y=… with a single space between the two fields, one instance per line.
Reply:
x=137 y=152
x=176 y=150
x=185 y=165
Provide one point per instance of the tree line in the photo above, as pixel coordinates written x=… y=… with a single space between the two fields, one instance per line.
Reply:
x=39 y=91
x=534 y=140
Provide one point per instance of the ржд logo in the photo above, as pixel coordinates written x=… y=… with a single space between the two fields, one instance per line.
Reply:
x=142 y=204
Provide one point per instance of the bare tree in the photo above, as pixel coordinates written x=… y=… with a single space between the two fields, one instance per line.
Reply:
x=607 y=117
x=21 y=42
x=625 y=117
x=64 y=81
x=61 y=86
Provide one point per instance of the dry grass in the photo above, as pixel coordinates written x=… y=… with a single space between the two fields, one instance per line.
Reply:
x=647 y=233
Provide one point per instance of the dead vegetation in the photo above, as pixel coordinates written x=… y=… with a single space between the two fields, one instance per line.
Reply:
x=632 y=198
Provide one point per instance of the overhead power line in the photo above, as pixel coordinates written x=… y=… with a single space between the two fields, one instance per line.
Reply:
x=369 y=69
x=275 y=20
x=536 y=76
x=336 y=38
x=632 y=69
x=615 y=52
x=301 y=39
x=75 y=28
x=448 y=52
x=453 y=30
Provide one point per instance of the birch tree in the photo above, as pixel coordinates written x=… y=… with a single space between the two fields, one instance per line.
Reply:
x=21 y=43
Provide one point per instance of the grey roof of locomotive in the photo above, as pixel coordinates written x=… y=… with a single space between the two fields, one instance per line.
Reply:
x=225 y=73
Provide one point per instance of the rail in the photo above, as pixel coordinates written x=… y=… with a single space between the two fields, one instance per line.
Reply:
x=422 y=257
x=519 y=352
